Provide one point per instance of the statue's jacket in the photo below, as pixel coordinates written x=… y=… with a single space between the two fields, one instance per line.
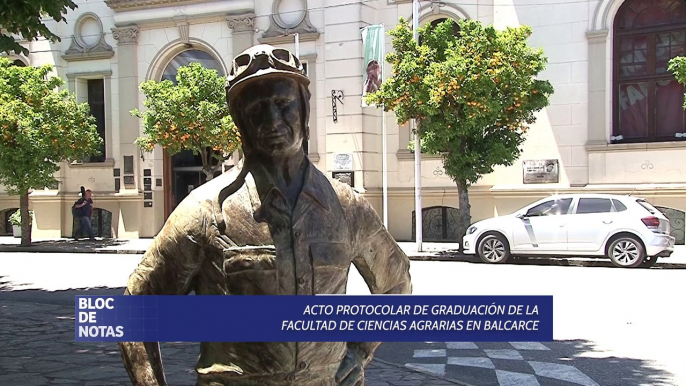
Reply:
x=224 y=239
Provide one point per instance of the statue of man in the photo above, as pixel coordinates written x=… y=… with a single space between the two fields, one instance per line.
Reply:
x=275 y=226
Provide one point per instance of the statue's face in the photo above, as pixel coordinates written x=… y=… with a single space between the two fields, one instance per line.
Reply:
x=272 y=114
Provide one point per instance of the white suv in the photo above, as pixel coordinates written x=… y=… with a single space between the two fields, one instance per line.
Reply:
x=627 y=229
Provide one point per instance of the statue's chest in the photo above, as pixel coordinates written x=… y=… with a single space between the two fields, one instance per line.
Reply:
x=305 y=252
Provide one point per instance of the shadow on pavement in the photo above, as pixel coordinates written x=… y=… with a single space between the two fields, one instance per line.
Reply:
x=573 y=361
x=4 y=284
x=453 y=255
x=61 y=297
x=64 y=244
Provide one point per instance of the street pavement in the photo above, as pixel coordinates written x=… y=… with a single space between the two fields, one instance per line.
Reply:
x=611 y=326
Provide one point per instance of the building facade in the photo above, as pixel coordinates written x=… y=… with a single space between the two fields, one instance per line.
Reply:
x=615 y=123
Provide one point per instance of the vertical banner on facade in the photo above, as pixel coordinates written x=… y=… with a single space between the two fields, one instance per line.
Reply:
x=372 y=52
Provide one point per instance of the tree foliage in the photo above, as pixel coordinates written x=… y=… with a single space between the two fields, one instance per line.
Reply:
x=473 y=95
x=677 y=66
x=25 y=18
x=40 y=126
x=191 y=115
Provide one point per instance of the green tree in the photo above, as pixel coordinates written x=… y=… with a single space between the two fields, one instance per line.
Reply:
x=677 y=66
x=25 y=17
x=473 y=95
x=191 y=115
x=40 y=126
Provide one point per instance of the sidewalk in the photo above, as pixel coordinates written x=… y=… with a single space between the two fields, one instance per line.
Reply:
x=139 y=246
x=64 y=245
x=430 y=251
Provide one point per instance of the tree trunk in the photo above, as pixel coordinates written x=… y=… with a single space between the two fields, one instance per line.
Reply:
x=25 y=219
x=207 y=168
x=463 y=212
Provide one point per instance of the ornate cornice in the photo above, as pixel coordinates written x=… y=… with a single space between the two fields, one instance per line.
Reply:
x=130 y=5
x=242 y=23
x=125 y=35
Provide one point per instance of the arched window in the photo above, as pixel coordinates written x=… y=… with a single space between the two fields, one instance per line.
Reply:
x=185 y=168
x=434 y=23
x=19 y=63
x=648 y=101
x=187 y=57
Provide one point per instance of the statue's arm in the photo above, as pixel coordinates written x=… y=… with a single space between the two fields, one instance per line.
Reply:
x=381 y=262
x=143 y=362
x=167 y=268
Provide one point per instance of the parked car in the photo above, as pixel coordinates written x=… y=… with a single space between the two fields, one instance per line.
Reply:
x=627 y=230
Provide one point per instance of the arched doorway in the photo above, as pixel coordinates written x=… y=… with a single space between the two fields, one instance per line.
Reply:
x=439 y=224
x=101 y=223
x=676 y=223
x=5 y=225
x=183 y=171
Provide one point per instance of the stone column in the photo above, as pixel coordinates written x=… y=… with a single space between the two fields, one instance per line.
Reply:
x=127 y=66
x=597 y=83
x=127 y=78
x=243 y=35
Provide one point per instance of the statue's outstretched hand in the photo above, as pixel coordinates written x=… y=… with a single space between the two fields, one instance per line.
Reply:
x=351 y=372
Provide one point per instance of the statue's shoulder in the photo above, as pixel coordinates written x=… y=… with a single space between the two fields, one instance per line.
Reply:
x=210 y=189
x=347 y=195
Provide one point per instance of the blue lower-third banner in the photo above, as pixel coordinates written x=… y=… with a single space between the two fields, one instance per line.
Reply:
x=378 y=318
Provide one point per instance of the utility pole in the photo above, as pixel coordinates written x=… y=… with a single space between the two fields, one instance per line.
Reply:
x=417 y=147
x=297 y=46
x=384 y=164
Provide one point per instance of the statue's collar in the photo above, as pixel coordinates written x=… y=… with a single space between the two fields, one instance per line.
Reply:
x=312 y=187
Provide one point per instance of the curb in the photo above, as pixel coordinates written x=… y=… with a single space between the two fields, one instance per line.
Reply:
x=460 y=383
x=63 y=250
x=443 y=257
x=541 y=261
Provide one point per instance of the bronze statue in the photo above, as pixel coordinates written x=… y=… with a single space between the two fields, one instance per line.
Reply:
x=275 y=226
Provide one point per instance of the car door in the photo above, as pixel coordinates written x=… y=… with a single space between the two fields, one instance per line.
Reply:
x=589 y=226
x=542 y=229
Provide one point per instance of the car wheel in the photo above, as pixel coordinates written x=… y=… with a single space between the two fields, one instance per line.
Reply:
x=626 y=252
x=494 y=249
x=649 y=262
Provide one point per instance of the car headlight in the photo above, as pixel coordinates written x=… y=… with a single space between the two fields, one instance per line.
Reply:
x=471 y=230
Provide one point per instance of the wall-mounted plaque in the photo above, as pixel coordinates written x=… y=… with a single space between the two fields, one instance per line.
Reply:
x=147 y=181
x=343 y=161
x=128 y=164
x=541 y=171
x=117 y=184
x=345 y=177
x=117 y=172
x=158 y=182
x=147 y=172
x=147 y=204
x=147 y=187
x=147 y=196
x=128 y=180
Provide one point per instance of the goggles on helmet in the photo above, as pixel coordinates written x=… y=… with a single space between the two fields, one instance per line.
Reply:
x=263 y=60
